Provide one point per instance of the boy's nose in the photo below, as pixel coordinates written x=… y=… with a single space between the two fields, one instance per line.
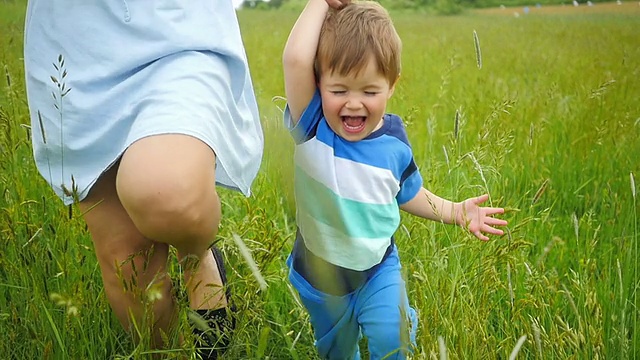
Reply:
x=353 y=104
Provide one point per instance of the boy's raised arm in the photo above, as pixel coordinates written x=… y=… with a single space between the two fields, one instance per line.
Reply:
x=299 y=56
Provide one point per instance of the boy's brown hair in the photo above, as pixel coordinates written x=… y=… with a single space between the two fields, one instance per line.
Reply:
x=352 y=36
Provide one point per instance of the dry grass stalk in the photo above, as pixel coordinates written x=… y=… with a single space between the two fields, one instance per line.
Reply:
x=540 y=191
x=246 y=254
x=443 y=348
x=516 y=349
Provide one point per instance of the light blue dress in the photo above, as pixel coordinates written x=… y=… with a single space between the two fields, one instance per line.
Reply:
x=102 y=74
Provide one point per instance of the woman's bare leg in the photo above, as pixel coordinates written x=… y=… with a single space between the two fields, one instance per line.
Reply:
x=167 y=185
x=161 y=193
x=126 y=256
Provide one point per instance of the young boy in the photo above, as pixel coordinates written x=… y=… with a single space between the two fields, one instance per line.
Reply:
x=354 y=170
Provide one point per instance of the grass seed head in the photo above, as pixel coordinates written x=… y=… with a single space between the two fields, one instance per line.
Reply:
x=476 y=43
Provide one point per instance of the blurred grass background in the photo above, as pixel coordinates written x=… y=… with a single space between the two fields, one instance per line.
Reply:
x=549 y=125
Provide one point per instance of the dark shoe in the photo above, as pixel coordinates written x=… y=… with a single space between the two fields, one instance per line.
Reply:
x=213 y=331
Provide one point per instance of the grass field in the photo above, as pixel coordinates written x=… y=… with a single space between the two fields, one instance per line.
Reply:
x=545 y=116
x=626 y=7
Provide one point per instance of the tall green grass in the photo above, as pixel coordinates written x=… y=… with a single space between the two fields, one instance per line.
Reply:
x=549 y=126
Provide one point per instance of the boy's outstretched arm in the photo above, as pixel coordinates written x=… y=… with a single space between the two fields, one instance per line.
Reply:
x=467 y=214
x=299 y=56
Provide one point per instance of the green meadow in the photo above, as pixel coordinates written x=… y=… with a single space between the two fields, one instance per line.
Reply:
x=542 y=111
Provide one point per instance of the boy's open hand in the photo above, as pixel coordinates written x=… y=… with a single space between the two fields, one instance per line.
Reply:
x=337 y=4
x=478 y=220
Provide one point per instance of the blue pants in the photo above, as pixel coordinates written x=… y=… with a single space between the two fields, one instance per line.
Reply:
x=378 y=310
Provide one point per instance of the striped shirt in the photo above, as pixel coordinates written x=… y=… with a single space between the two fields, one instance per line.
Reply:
x=348 y=193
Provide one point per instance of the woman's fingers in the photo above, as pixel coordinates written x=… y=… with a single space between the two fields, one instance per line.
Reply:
x=337 y=4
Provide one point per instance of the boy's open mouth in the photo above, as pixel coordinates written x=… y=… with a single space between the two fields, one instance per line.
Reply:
x=353 y=124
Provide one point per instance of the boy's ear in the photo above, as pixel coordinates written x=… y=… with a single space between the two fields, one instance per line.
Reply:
x=393 y=86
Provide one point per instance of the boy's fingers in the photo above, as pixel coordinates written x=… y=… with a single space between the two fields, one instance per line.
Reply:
x=492 y=230
x=491 y=211
x=494 y=221
x=482 y=198
x=480 y=235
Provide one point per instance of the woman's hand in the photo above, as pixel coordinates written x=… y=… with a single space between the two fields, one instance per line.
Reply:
x=337 y=4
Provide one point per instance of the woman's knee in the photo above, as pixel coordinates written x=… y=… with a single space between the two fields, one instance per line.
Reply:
x=167 y=185
x=120 y=248
x=170 y=211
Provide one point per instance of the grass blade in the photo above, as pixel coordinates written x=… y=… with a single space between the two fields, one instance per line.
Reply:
x=56 y=333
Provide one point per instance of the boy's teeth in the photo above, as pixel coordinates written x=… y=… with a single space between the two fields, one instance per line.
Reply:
x=353 y=121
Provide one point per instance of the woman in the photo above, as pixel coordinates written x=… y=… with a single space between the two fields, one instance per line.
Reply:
x=138 y=109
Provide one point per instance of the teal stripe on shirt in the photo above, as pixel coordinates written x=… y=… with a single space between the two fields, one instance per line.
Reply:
x=353 y=218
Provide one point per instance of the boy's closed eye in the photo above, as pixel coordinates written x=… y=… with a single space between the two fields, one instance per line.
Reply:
x=342 y=92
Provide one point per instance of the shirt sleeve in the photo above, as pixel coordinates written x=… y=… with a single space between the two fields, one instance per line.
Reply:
x=306 y=127
x=410 y=183
x=410 y=180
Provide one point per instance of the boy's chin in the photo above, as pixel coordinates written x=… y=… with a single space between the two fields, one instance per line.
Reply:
x=353 y=137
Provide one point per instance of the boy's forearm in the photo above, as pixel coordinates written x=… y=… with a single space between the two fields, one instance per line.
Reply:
x=430 y=206
x=302 y=44
x=299 y=56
